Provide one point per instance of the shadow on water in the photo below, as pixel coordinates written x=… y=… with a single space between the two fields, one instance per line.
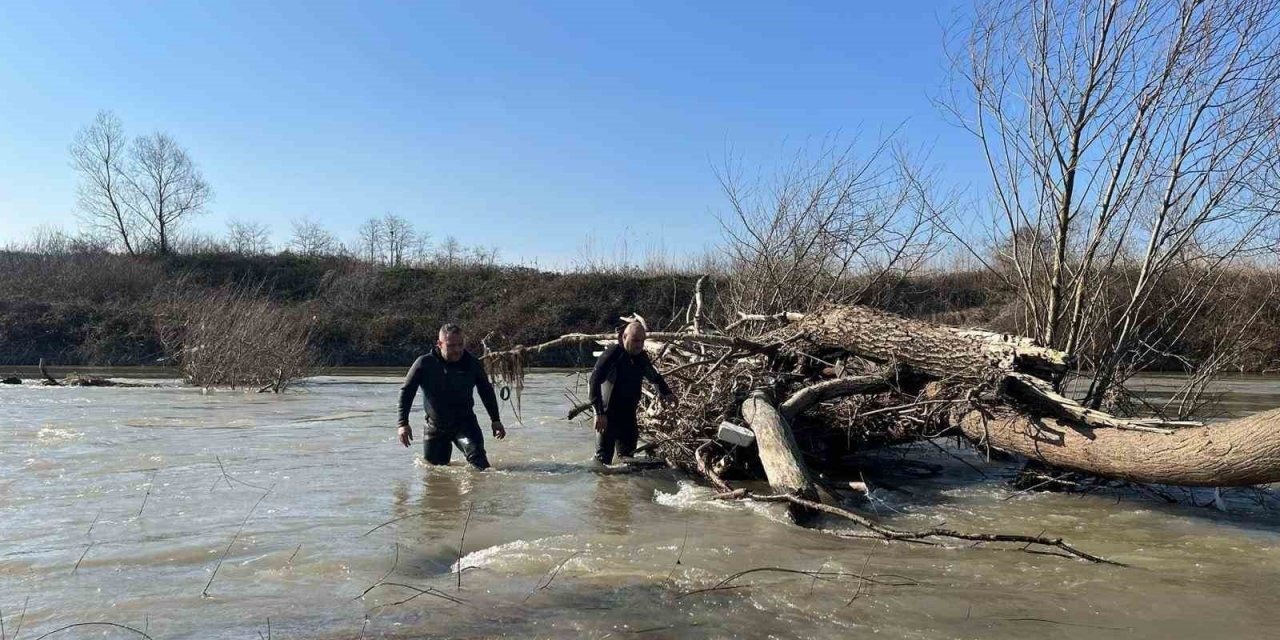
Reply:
x=537 y=467
x=545 y=468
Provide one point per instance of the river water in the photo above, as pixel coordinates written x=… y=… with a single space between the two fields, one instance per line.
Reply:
x=117 y=504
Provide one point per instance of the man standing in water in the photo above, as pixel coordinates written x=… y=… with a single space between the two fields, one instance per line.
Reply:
x=615 y=393
x=447 y=377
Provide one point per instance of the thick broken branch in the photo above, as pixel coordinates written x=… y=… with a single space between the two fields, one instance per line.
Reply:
x=1041 y=395
x=829 y=389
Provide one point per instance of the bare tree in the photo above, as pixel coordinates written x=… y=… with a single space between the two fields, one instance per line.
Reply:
x=834 y=226
x=484 y=256
x=369 y=246
x=99 y=155
x=421 y=248
x=449 y=252
x=1128 y=144
x=311 y=239
x=248 y=238
x=397 y=239
x=166 y=187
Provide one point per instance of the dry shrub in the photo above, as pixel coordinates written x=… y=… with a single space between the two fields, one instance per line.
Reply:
x=236 y=337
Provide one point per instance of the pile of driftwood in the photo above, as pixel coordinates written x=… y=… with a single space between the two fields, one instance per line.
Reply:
x=816 y=387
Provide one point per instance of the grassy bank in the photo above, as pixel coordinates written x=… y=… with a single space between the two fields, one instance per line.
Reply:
x=101 y=309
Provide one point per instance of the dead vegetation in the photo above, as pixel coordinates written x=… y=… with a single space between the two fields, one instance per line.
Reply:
x=236 y=337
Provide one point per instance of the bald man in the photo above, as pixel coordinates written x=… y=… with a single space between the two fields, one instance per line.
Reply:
x=448 y=376
x=615 y=393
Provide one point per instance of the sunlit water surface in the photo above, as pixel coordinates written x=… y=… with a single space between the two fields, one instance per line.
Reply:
x=116 y=505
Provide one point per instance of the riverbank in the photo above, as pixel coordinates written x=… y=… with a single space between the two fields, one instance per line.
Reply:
x=103 y=309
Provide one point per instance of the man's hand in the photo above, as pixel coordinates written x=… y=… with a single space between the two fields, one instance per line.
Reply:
x=601 y=423
x=499 y=431
x=669 y=400
x=406 y=434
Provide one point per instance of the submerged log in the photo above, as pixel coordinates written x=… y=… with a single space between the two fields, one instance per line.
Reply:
x=76 y=380
x=1240 y=452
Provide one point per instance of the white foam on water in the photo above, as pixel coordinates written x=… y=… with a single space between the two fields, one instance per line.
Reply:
x=519 y=554
x=57 y=434
x=691 y=496
x=163 y=421
x=698 y=498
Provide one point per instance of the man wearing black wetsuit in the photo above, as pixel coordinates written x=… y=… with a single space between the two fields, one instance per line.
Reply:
x=447 y=376
x=615 y=393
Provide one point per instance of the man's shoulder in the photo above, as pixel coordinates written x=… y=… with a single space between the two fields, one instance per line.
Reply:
x=610 y=354
x=425 y=359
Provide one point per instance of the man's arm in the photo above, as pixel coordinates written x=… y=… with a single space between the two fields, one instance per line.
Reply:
x=489 y=399
x=409 y=390
x=651 y=374
x=487 y=396
x=599 y=374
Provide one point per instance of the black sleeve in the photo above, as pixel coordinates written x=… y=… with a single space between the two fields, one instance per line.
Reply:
x=599 y=374
x=651 y=374
x=487 y=396
x=409 y=390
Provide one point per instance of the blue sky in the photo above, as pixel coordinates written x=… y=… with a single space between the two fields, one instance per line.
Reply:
x=528 y=127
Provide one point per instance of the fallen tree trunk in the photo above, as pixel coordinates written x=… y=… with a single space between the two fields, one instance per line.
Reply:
x=970 y=354
x=779 y=453
x=1049 y=427
x=1241 y=452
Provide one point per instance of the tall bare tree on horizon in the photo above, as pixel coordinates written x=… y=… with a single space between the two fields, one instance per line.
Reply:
x=168 y=187
x=398 y=239
x=140 y=192
x=369 y=245
x=99 y=153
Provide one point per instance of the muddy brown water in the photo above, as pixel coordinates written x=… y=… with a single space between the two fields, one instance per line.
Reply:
x=114 y=507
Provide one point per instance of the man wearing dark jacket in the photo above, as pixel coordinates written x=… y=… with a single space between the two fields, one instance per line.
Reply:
x=615 y=393
x=448 y=376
